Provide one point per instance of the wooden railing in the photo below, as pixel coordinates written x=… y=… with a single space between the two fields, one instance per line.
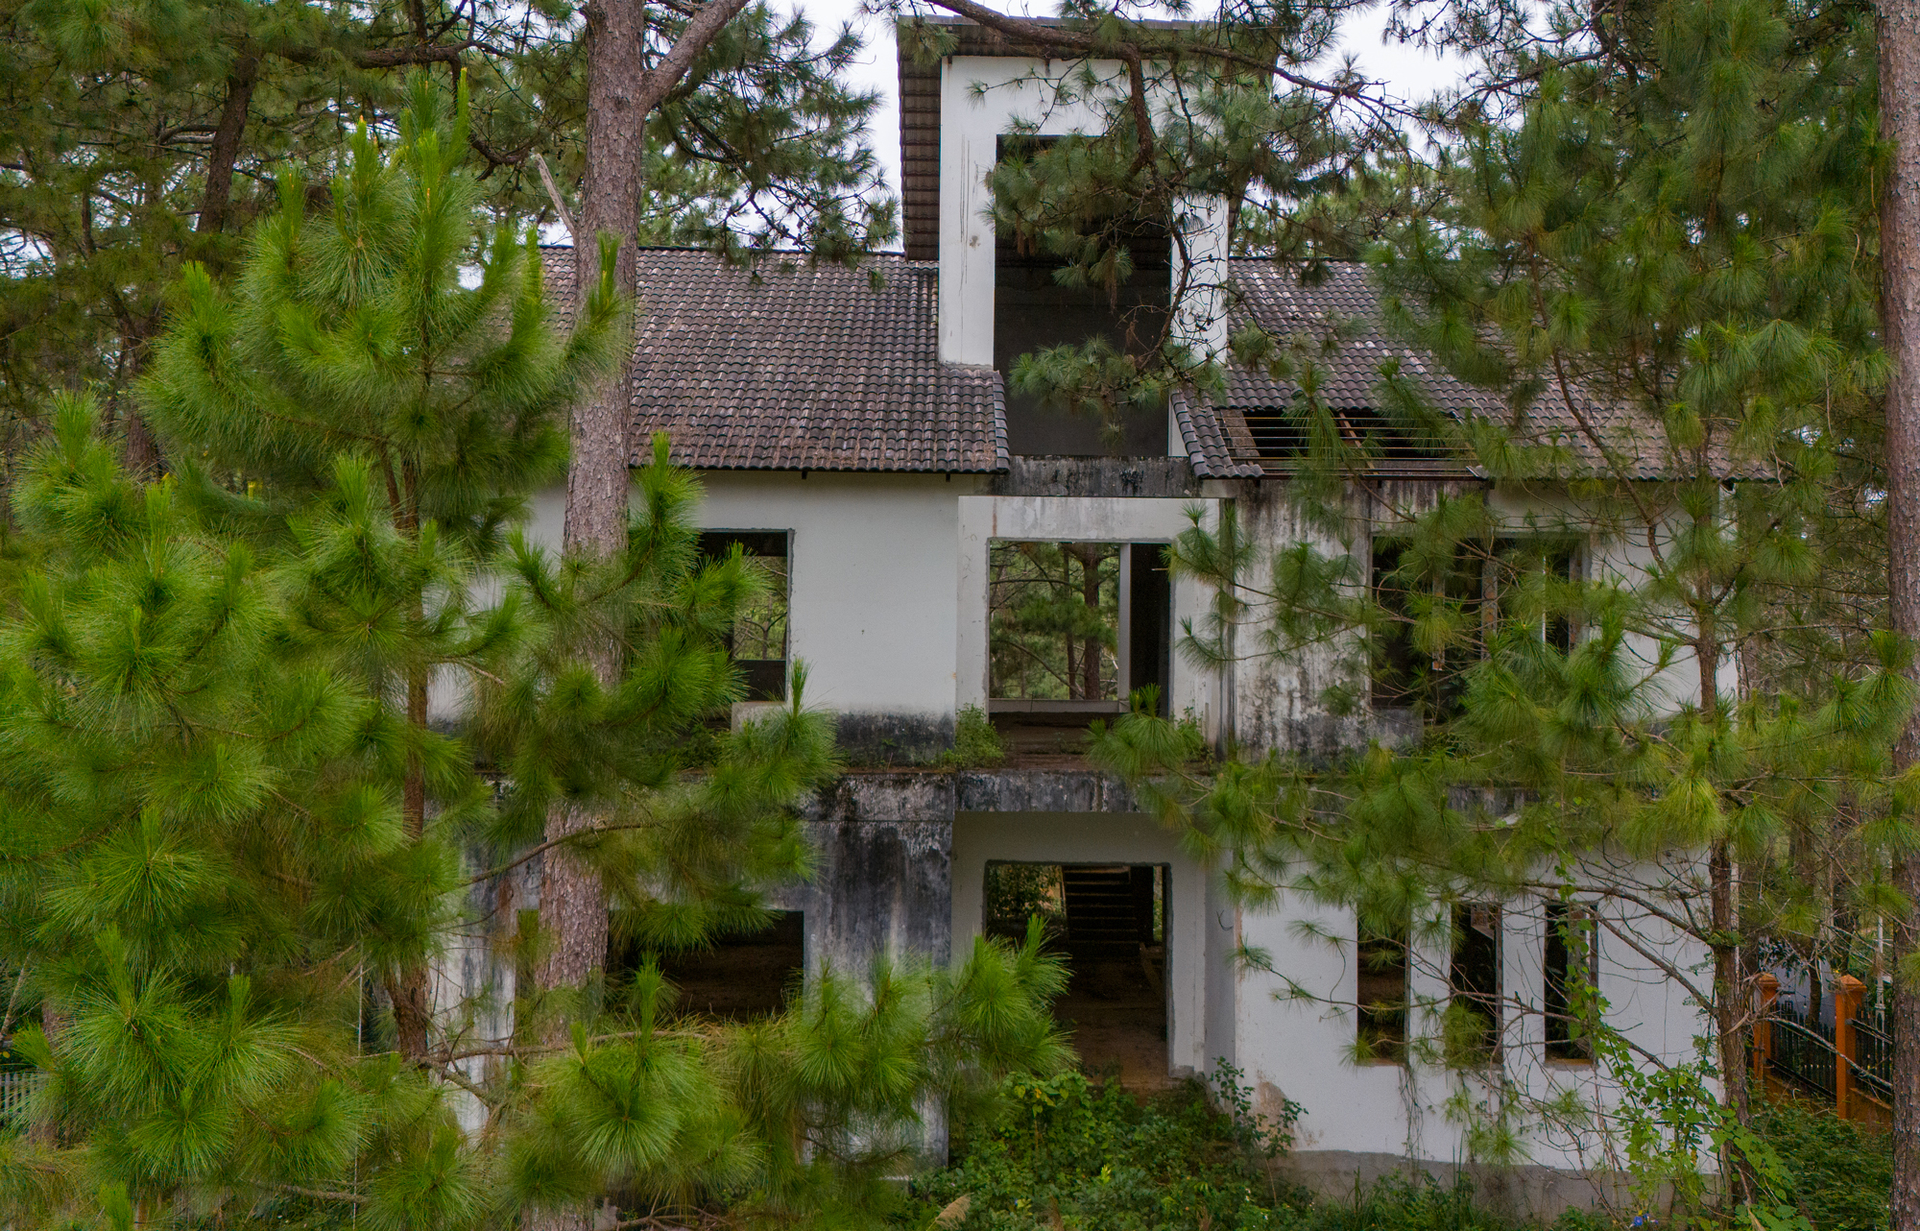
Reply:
x=1849 y=1063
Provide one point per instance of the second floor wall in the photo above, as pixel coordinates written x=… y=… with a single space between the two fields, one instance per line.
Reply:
x=897 y=596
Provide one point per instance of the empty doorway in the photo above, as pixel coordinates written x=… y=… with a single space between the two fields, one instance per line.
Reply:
x=1109 y=922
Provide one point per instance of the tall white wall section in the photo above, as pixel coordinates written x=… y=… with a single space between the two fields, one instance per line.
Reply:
x=985 y=97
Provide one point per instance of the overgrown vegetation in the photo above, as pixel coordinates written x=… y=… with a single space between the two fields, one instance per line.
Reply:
x=1840 y=1170
x=1073 y=1154
x=976 y=744
x=1070 y=1152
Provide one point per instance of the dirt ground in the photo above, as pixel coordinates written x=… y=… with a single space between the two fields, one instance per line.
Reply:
x=1117 y=1020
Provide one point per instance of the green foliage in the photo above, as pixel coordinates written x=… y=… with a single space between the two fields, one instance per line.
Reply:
x=1074 y=1154
x=1838 y=1172
x=976 y=743
x=1016 y=893
x=202 y=858
x=1396 y=1204
x=1661 y=283
x=1069 y=1152
x=804 y=1117
x=261 y=719
x=143 y=134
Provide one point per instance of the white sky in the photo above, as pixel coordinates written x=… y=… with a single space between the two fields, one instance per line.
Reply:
x=1409 y=72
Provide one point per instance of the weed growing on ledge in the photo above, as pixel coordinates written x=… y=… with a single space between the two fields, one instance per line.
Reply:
x=976 y=745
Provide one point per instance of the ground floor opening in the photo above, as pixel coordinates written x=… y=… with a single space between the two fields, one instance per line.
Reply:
x=1108 y=922
x=735 y=976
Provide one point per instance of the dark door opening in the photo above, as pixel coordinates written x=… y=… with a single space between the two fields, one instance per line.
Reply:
x=736 y=976
x=1109 y=921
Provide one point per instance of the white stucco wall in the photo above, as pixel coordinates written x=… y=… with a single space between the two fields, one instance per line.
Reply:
x=1105 y=837
x=888 y=576
x=1278 y=701
x=871 y=575
x=1302 y=1048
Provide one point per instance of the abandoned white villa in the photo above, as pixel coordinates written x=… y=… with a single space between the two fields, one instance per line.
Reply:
x=859 y=437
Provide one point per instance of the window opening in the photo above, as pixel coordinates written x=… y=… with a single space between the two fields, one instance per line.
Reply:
x=1571 y=937
x=1523 y=584
x=1382 y=993
x=1076 y=631
x=1034 y=309
x=735 y=976
x=758 y=639
x=1435 y=625
x=1109 y=923
x=1473 y=1013
x=1054 y=622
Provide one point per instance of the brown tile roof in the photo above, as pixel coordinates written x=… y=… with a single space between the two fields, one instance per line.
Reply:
x=795 y=366
x=1274 y=299
x=791 y=366
x=1209 y=450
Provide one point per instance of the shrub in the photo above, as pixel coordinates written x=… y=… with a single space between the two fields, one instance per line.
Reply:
x=1395 y=1204
x=1841 y=1172
x=976 y=745
x=1079 y=1154
x=1069 y=1154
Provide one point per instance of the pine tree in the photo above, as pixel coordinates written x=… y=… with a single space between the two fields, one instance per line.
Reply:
x=266 y=716
x=1644 y=252
x=1898 y=39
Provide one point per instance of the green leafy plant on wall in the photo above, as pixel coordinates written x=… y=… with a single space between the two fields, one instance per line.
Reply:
x=976 y=744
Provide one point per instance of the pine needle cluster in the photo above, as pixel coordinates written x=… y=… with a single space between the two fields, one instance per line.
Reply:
x=279 y=728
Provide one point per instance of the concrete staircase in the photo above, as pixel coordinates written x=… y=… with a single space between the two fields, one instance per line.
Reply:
x=1109 y=910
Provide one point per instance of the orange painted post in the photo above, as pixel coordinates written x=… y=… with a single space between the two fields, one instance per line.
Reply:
x=1763 y=1031
x=1847 y=995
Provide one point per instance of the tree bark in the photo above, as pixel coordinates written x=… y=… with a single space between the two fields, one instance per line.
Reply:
x=407 y=988
x=573 y=908
x=1729 y=983
x=1899 y=40
x=621 y=93
x=1089 y=557
x=216 y=198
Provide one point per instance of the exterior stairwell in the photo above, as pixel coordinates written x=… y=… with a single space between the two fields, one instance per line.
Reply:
x=1109 y=911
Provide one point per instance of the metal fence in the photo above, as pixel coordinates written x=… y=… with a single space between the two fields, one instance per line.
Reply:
x=1802 y=1051
x=1873 y=1058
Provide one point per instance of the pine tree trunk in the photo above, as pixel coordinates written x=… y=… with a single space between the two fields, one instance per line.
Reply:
x=621 y=93
x=573 y=901
x=573 y=906
x=217 y=197
x=407 y=988
x=1899 y=37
